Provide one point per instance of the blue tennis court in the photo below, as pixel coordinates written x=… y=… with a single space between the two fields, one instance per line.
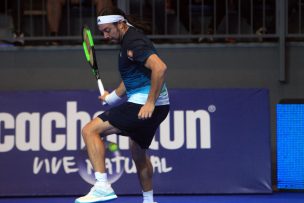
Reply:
x=268 y=198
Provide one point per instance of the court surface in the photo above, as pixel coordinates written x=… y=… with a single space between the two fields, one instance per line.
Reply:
x=269 y=198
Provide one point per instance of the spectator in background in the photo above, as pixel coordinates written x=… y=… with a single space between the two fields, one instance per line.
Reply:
x=294 y=12
x=145 y=10
x=256 y=17
x=264 y=16
x=16 y=7
x=54 y=12
x=226 y=18
x=157 y=12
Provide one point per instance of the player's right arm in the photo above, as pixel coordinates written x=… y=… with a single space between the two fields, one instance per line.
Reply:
x=115 y=95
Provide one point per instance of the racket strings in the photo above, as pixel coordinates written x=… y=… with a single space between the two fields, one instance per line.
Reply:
x=88 y=46
x=88 y=49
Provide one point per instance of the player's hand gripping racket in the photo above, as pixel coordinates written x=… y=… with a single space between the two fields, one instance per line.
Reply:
x=89 y=51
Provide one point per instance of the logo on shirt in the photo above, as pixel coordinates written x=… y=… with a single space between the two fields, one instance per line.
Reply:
x=130 y=54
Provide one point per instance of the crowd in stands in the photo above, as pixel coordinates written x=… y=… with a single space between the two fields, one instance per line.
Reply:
x=165 y=17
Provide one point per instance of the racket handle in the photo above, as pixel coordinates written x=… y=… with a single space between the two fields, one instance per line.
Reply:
x=101 y=90
x=100 y=87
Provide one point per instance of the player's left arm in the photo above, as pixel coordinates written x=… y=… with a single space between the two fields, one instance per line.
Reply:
x=121 y=89
x=158 y=71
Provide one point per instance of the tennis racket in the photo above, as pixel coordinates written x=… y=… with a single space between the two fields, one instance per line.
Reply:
x=89 y=51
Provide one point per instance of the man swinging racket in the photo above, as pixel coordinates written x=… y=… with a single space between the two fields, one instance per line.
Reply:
x=143 y=74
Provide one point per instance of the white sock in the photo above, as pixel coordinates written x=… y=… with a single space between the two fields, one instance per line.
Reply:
x=148 y=196
x=101 y=177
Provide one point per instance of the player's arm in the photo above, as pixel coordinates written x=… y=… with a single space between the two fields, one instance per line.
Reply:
x=158 y=71
x=121 y=89
x=115 y=96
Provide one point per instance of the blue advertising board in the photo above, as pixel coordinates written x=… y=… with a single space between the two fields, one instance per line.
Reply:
x=290 y=146
x=213 y=141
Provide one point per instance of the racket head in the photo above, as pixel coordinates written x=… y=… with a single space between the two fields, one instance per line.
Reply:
x=89 y=50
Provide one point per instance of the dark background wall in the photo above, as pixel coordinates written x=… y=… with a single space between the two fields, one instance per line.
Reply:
x=253 y=65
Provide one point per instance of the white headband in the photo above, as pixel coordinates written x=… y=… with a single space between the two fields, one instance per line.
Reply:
x=111 y=19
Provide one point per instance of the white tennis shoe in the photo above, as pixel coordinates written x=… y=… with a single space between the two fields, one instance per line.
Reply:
x=98 y=193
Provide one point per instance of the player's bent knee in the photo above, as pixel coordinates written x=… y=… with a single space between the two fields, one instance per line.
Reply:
x=95 y=127
x=85 y=132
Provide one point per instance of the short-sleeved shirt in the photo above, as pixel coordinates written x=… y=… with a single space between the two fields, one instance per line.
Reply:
x=135 y=50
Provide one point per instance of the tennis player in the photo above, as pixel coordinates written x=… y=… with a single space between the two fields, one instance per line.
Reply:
x=143 y=74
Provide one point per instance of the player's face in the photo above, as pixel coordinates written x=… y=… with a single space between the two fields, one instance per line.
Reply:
x=110 y=32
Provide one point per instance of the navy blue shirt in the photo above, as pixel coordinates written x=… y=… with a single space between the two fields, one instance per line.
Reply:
x=135 y=50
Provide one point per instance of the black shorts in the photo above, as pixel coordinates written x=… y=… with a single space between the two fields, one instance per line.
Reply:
x=125 y=118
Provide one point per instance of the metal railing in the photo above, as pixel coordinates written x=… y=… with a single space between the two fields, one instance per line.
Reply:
x=173 y=20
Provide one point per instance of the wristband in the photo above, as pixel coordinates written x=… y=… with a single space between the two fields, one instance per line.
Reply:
x=112 y=98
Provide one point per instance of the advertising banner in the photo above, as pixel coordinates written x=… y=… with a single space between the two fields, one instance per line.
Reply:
x=213 y=141
x=290 y=144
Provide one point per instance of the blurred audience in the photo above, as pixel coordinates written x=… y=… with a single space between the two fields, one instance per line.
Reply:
x=243 y=17
x=55 y=10
x=295 y=16
x=164 y=16
x=15 y=8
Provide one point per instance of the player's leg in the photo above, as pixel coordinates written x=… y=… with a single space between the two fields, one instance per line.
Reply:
x=95 y=145
x=144 y=171
x=54 y=12
x=102 y=190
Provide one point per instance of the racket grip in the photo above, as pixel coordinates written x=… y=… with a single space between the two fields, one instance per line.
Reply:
x=101 y=90
x=100 y=87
